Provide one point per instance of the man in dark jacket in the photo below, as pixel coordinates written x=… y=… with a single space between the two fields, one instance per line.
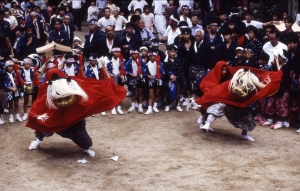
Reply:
x=27 y=43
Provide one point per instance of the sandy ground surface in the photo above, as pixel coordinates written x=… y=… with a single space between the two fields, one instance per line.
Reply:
x=164 y=151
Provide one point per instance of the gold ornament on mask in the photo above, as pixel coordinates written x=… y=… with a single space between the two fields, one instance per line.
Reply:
x=244 y=83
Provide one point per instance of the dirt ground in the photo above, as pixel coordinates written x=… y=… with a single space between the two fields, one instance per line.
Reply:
x=164 y=151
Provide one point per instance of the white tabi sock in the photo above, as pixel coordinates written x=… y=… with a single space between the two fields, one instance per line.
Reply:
x=132 y=104
x=154 y=104
x=140 y=105
x=10 y=115
x=17 y=115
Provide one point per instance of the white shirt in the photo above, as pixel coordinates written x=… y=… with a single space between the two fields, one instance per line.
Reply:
x=67 y=29
x=119 y=22
x=137 y=5
x=189 y=3
x=109 y=46
x=27 y=75
x=171 y=35
x=12 y=20
x=134 y=68
x=115 y=66
x=76 y=4
x=103 y=22
x=70 y=71
x=91 y=38
x=256 y=24
x=95 y=70
x=188 y=20
x=270 y=50
x=152 y=68
x=90 y=15
x=159 y=6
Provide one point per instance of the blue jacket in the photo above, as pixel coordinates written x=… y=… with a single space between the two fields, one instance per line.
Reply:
x=23 y=50
x=22 y=74
x=109 y=67
x=128 y=67
x=56 y=37
x=162 y=70
x=89 y=73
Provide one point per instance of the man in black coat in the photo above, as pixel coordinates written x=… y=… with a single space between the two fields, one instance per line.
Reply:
x=27 y=43
x=38 y=29
x=4 y=26
x=105 y=44
x=91 y=39
x=58 y=36
x=129 y=41
x=66 y=26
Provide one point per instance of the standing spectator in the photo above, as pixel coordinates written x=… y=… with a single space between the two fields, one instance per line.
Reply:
x=77 y=13
x=24 y=5
x=106 y=44
x=137 y=4
x=195 y=24
x=38 y=29
x=120 y=21
x=189 y=3
x=146 y=34
x=147 y=18
x=226 y=51
x=4 y=26
x=27 y=43
x=3 y=6
x=253 y=43
x=58 y=36
x=213 y=39
x=111 y=6
x=185 y=15
x=199 y=60
x=19 y=32
x=91 y=39
x=12 y=22
x=101 y=4
x=129 y=41
x=67 y=27
x=172 y=31
x=169 y=11
x=288 y=32
x=158 y=7
x=106 y=20
x=273 y=45
x=3 y=100
x=93 y=12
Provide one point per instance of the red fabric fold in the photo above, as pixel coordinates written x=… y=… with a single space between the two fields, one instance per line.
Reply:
x=103 y=96
x=220 y=93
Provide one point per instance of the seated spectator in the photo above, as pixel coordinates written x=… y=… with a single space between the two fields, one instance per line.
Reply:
x=129 y=41
x=27 y=43
x=146 y=34
x=288 y=32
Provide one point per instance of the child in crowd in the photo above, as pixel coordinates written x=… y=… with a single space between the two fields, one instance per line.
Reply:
x=138 y=12
x=69 y=66
x=93 y=12
x=145 y=58
x=173 y=78
x=11 y=86
x=148 y=18
x=94 y=70
x=134 y=70
x=116 y=70
x=30 y=81
x=239 y=59
x=77 y=47
x=154 y=73
x=249 y=60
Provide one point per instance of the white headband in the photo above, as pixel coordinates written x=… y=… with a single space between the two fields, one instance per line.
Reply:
x=133 y=51
x=116 y=49
x=143 y=47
